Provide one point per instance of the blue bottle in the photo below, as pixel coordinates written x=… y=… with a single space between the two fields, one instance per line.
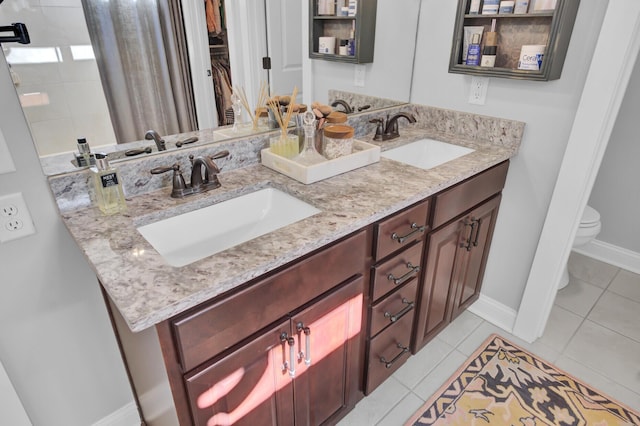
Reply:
x=473 y=54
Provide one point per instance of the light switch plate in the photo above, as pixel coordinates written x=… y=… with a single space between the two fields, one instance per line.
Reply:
x=15 y=220
x=6 y=162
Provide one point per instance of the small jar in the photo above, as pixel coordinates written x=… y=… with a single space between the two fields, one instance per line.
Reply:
x=337 y=141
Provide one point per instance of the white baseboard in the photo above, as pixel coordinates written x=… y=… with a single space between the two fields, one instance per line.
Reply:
x=614 y=255
x=495 y=312
x=125 y=416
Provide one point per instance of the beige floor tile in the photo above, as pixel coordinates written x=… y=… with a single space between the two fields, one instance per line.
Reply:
x=619 y=314
x=561 y=326
x=591 y=270
x=460 y=328
x=419 y=365
x=401 y=412
x=608 y=353
x=439 y=375
x=578 y=297
x=601 y=383
x=473 y=342
x=626 y=284
x=374 y=407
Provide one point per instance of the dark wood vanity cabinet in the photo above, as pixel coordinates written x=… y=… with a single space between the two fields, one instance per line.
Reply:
x=285 y=350
x=303 y=344
x=301 y=371
x=398 y=252
x=457 y=250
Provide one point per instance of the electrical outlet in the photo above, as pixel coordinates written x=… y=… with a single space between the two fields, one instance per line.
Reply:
x=15 y=220
x=478 y=90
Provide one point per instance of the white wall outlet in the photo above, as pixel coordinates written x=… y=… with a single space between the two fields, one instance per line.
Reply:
x=478 y=90
x=15 y=220
x=359 y=74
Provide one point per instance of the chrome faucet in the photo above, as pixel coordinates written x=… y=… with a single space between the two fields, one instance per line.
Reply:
x=154 y=136
x=204 y=175
x=385 y=132
x=347 y=108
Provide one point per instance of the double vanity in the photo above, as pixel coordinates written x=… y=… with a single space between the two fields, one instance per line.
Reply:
x=268 y=301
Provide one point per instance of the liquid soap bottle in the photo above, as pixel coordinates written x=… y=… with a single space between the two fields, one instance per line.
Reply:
x=108 y=187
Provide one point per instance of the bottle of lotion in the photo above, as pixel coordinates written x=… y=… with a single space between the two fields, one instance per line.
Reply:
x=108 y=187
x=473 y=54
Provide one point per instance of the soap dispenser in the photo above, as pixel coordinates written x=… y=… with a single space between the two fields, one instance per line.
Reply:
x=108 y=187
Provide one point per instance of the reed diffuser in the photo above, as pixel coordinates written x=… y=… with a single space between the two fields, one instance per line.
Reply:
x=263 y=94
x=285 y=145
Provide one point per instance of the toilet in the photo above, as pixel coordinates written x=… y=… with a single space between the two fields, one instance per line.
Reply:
x=589 y=228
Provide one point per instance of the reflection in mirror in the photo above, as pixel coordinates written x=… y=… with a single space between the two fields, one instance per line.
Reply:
x=59 y=83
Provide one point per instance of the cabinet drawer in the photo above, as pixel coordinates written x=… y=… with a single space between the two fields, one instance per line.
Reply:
x=401 y=230
x=388 y=351
x=398 y=270
x=393 y=307
x=460 y=198
x=207 y=331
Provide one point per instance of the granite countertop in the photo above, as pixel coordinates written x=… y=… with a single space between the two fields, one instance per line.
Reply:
x=147 y=291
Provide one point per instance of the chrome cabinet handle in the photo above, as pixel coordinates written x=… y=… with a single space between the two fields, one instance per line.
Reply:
x=289 y=365
x=396 y=317
x=401 y=280
x=306 y=355
x=389 y=364
x=415 y=228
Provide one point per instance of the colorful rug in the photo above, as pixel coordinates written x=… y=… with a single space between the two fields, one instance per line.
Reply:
x=502 y=384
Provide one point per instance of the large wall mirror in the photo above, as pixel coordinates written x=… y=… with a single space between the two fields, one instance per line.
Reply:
x=59 y=83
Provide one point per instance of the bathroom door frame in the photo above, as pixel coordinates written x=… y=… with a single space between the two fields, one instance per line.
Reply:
x=612 y=63
x=247 y=36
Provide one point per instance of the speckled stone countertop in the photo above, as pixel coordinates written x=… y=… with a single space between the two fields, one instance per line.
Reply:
x=147 y=291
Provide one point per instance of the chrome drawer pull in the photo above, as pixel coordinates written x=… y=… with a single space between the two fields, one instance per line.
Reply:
x=396 y=317
x=415 y=228
x=306 y=355
x=389 y=364
x=403 y=279
x=290 y=365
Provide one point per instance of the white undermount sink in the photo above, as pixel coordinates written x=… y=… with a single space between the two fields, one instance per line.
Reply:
x=192 y=236
x=426 y=153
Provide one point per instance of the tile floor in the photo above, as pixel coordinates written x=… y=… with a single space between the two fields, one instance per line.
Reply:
x=593 y=333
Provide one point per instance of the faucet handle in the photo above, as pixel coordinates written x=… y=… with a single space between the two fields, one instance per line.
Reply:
x=179 y=184
x=379 y=128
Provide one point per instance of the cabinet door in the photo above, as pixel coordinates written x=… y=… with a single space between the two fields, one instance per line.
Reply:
x=329 y=335
x=251 y=386
x=473 y=260
x=437 y=293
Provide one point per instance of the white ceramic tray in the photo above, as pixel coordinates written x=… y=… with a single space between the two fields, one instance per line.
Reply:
x=363 y=154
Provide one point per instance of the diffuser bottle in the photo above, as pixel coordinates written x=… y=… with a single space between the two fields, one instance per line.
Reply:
x=108 y=187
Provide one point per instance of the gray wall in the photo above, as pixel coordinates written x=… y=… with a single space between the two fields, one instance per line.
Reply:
x=615 y=193
x=56 y=342
x=547 y=108
x=389 y=76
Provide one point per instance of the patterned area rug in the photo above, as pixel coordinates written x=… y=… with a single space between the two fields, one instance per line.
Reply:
x=502 y=384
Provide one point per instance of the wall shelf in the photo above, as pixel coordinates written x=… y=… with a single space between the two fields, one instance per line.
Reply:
x=550 y=28
x=340 y=27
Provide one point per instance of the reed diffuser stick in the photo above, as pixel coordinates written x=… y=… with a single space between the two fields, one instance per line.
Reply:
x=283 y=122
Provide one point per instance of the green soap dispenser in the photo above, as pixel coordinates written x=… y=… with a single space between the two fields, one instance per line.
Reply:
x=108 y=188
